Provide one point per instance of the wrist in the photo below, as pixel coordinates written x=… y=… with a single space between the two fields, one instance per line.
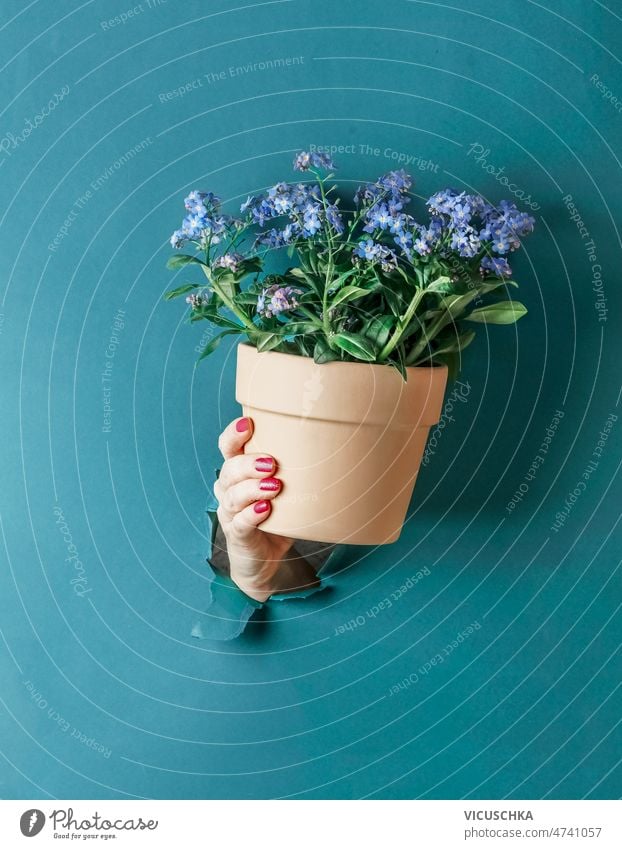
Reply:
x=253 y=589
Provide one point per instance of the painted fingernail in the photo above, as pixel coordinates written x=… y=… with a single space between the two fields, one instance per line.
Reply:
x=270 y=484
x=242 y=425
x=264 y=464
x=261 y=506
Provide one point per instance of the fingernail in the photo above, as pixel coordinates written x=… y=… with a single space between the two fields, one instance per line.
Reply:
x=242 y=425
x=264 y=464
x=261 y=506
x=270 y=484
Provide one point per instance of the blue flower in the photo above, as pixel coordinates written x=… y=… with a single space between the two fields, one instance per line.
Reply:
x=334 y=218
x=178 y=239
x=367 y=249
x=495 y=265
x=400 y=222
x=211 y=201
x=250 y=200
x=405 y=242
x=443 y=202
x=277 y=299
x=280 y=198
x=304 y=161
x=429 y=236
x=387 y=257
x=282 y=204
x=399 y=181
x=461 y=214
x=193 y=224
x=465 y=241
x=194 y=202
x=312 y=224
x=196 y=301
x=229 y=260
x=367 y=194
x=435 y=228
x=503 y=225
x=379 y=216
x=395 y=203
x=201 y=202
x=272 y=238
x=422 y=246
x=302 y=194
x=501 y=242
x=262 y=210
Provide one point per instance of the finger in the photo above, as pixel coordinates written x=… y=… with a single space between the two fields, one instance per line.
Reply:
x=236 y=498
x=245 y=523
x=245 y=466
x=233 y=438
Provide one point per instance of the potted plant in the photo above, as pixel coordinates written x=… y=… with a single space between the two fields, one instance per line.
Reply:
x=347 y=351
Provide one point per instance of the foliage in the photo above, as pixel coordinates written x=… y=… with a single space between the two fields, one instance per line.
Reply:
x=374 y=285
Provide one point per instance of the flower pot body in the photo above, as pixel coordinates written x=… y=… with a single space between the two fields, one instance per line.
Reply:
x=348 y=439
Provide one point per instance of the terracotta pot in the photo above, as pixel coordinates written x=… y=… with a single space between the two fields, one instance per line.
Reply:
x=348 y=439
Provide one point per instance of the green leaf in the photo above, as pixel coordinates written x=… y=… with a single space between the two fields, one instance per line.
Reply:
x=267 y=341
x=228 y=284
x=248 y=266
x=341 y=278
x=323 y=353
x=298 y=328
x=355 y=345
x=245 y=266
x=399 y=363
x=296 y=272
x=453 y=361
x=214 y=343
x=246 y=298
x=348 y=293
x=503 y=312
x=457 y=343
x=454 y=306
x=394 y=302
x=461 y=286
x=441 y=284
x=377 y=330
x=412 y=327
x=181 y=290
x=296 y=276
x=490 y=286
x=212 y=315
x=179 y=260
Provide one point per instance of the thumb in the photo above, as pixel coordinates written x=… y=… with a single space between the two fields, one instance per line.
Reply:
x=232 y=440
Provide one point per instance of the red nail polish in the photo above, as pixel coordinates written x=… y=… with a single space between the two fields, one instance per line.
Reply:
x=242 y=425
x=261 y=506
x=270 y=484
x=264 y=464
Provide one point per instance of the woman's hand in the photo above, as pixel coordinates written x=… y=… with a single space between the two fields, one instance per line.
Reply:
x=245 y=490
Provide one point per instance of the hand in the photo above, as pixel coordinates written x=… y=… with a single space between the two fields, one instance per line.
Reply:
x=245 y=490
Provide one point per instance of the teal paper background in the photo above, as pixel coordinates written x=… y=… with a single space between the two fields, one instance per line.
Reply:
x=306 y=703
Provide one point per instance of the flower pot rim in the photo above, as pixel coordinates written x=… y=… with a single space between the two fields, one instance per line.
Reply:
x=298 y=386
x=383 y=366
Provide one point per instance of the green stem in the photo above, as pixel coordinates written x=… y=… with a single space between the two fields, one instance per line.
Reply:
x=425 y=339
x=310 y=316
x=232 y=306
x=329 y=269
